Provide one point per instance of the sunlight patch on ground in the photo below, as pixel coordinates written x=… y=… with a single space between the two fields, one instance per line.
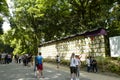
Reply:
x=58 y=74
x=46 y=78
x=49 y=71
x=55 y=76
x=20 y=79
x=2 y=71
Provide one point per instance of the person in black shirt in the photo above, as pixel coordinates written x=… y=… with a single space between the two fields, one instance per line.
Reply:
x=94 y=65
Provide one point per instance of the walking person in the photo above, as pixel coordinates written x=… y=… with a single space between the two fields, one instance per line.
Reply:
x=19 y=59
x=88 y=64
x=30 y=60
x=25 y=60
x=91 y=64
x=6 y=59
x=73 y=66
x=78 y=63
x=9 y=58
x=35 y=65
x=94 y=65
x=58 y=61
x=3 y=58
x=39 y=65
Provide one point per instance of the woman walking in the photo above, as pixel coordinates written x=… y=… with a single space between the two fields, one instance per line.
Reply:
x=73 y=66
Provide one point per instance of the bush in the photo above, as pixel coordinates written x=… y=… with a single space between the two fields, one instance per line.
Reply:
x=109 y=65
x=65 y=62
x=49 y=60
x=118 y=58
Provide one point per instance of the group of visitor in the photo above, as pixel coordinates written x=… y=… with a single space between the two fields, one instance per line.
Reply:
x=75 y=66
x=75 y=63
x=91 y=64
x=26 y=59
x=5 y=58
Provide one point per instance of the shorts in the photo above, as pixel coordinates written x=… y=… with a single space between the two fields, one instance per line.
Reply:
x=40 y=67
x=73 y=70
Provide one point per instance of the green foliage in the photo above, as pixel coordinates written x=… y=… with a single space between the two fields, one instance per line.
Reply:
x=114 y=68
x=38 y=20
x=1 y=45
x=4 y=47
x=108 y=64
x=3 y=12
x=62 y=62
x=1 y=22
x=63 y=17
x=65 y=62
x=118 y=59
x=49 y=60
x=4 y=8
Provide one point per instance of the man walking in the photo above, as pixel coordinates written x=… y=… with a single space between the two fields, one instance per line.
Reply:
x=94 y=63
x=39 y=65
x=58 y=61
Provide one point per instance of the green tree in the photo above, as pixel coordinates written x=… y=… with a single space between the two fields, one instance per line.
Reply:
x=3 y=12
x=113 y=20
x=38 y=20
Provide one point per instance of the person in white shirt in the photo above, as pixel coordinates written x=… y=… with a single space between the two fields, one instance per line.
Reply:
x=3 y=58
x=73 y=63
x=20 y=58
x=88 y=64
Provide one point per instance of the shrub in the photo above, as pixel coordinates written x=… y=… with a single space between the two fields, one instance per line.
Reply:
x=49 y=60
x=65 y=62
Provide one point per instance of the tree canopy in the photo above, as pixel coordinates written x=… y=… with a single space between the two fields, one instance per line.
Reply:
x=3 y=12
x=37 y=21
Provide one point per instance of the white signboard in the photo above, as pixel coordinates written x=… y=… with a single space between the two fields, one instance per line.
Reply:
x=115 y=46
